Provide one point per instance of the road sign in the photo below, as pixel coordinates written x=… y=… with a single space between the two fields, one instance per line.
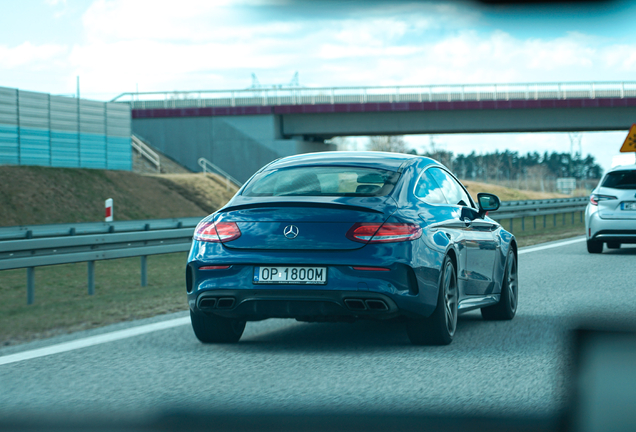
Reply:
x=630 y=142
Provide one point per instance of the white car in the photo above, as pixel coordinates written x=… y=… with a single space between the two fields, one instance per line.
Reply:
x=610 y=216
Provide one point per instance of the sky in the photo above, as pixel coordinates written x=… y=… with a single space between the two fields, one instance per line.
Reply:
x=117 y=46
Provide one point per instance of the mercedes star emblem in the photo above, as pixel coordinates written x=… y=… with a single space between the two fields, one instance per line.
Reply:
x=291 y=231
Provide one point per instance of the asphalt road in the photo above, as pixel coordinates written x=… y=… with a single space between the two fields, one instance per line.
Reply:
x=491 y=368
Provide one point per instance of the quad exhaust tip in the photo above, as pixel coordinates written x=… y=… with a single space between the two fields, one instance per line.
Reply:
x=207 y=303
x=378 y=305
x=217 y=303
x=225 y=303
x=369 y=304
x=355 y=304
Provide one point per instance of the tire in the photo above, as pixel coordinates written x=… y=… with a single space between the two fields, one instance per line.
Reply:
x=594 y=246
x=215 y=329
x=439 y=328
x=613 y=245
x=509 y=299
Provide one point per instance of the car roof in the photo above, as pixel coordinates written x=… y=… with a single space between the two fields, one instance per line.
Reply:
x=369 y=159
x=622 y=168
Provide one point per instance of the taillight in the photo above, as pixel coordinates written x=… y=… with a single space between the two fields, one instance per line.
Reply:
x=217 y=232
x=384 y=233
x=218 y=267
x=594 y=198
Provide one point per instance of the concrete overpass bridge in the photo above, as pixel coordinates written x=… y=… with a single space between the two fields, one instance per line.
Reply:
x=241 y=130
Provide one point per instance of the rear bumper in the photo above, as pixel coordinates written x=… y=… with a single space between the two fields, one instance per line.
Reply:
x=610 y=230
x=615 y=236
x=348 y=293
x=304 y=305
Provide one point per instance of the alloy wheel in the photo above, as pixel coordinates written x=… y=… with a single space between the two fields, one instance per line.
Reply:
x=513 y=292
x=450 y=299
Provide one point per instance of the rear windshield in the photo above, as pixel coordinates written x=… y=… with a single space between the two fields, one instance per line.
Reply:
x=322 y=181
x=621 y=180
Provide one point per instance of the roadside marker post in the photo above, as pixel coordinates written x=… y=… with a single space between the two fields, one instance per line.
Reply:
x=91 y=277
x=144 y=270
x=30 y=285
x=109 y=210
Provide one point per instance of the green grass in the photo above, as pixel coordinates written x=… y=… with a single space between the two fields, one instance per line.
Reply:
x=62 y=304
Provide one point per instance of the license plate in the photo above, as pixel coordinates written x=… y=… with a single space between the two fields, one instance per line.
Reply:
x=290 y=275
x=628 y=206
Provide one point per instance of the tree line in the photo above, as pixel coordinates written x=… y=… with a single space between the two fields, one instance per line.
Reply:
x=501 y=166
x=510 y=165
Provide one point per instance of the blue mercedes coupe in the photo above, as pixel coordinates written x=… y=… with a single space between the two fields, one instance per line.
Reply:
x=343 y=236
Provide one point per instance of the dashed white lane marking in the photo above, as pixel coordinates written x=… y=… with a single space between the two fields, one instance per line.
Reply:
x=550 y=246
x=149 y=328
x=93 y=340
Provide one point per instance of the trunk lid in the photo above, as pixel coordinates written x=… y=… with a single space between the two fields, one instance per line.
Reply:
x=302 y=223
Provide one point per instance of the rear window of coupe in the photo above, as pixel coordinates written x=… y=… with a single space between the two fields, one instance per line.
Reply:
x=322 y=181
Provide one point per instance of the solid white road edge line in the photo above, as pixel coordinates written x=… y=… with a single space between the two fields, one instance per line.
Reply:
x=93 y=340
x=550 y=246
x=149 y=328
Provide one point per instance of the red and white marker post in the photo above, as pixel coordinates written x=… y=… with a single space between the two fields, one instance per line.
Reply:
x=109 y=210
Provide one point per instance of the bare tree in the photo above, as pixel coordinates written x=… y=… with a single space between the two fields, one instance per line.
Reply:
x=393 y=143
x=343 y=143
x=439 y=153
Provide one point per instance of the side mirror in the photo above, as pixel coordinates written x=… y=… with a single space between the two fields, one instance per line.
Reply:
x=487 y=202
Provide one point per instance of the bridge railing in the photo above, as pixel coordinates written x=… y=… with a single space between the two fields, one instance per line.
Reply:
x=146 y=152
x=390 y=94
x=208 y=166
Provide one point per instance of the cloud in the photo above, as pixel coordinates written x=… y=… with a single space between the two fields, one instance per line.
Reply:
x=199 y=44
x=29 y=55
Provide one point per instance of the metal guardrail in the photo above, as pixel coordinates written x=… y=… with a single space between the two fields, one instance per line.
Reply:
x=42 y=245
x=208 y=166
x=532 y=208
x=391 y=94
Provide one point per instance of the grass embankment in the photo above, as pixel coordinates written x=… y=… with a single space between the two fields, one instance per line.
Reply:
x=40 y=195
x=506 y=193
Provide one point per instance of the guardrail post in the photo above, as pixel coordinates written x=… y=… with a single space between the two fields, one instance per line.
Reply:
x=91 y=277
x=581 y=216
x=144 y=270
x=563 y=218
x=572 y=218
x=544 y=220
x=512 y=224
x=523 y=224
x=534 y=222
x=30 y=285
x=554 y=221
